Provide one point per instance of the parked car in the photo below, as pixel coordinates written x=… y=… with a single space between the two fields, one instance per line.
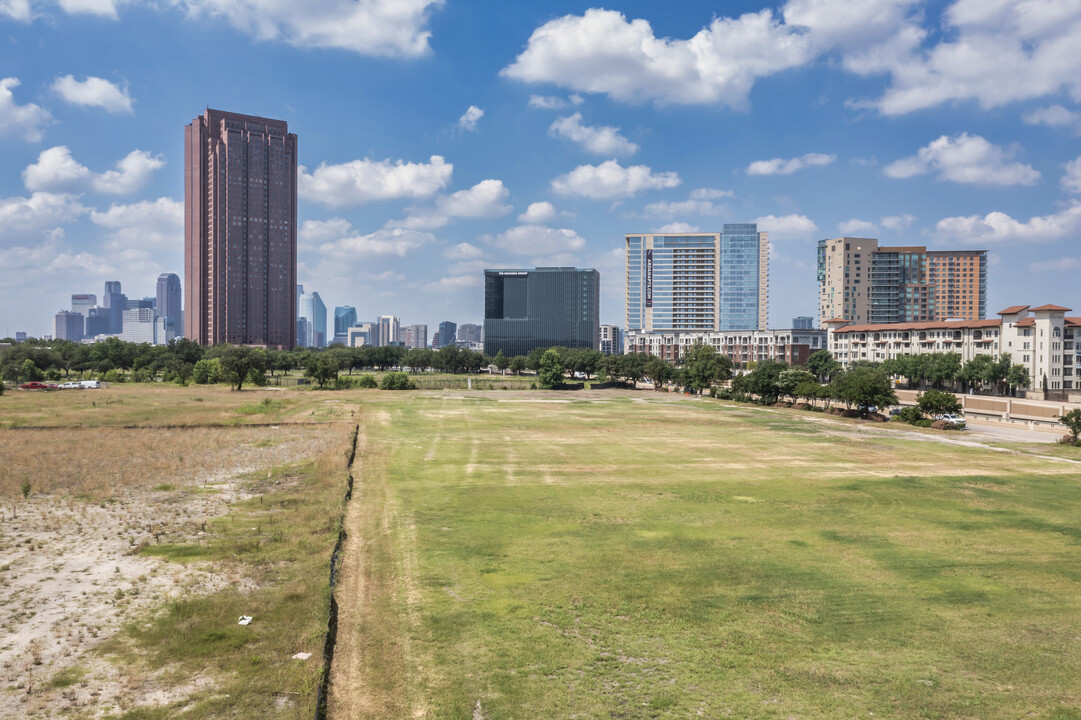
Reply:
x=894 y=411
x=90 y=384
x=73 y=385
x=34 y=386
x=956 y=420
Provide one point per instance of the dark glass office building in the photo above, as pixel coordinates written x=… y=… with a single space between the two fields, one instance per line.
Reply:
x=540 y=308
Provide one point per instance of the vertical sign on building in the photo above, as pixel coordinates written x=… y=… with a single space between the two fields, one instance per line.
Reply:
x=649 y=278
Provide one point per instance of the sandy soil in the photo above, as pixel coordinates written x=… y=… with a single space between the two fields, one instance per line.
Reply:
x=71 y=576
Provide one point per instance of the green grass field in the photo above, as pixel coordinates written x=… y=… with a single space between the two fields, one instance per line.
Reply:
x=660 y=557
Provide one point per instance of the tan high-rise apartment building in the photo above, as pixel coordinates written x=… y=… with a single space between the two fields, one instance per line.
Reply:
x=864 y=283
x=240 y=234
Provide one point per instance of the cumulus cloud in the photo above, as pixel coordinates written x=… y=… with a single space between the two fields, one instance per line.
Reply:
x=994 y=53
x=1054 y=116
x=1065 y=263
x=362 y=181
x=965 y=158
x=485 y=199
x=468 y=121
x=537 y=240
x=27 y=120
x=463 y=251
x=1071 y=181
x=682 y=207
x=391 y=28
x=39 y=211
x=146 y=224
x=898 y=223
x=596 y=139
x=93 y=92
x=538 y=213
x=455 y=282
x=552 y=102
x=16 y=10
x=787 y=227
x=101 y=8
x=855 y=227
x=611 y=180
x=711 y=194
x=602 y=52
x=779 y=166
x=57 y=171
x=386 y=241
x=998 y=227
x=313 y=233
x=678 y=227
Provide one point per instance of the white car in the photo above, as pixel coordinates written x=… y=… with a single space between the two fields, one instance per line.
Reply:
x=957 y=420
x=73 y=385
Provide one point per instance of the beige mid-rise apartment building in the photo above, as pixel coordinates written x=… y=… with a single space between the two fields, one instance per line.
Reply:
x=240 y=234
x=862 y=282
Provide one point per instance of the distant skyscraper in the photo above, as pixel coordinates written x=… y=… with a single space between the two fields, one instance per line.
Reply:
x=314 y=312
x=69 y=326
x=541 y=308
x=81 y=303
x=116 y=302
x=802 y=322
x=468 y=332
x=168 y=301
x=611 y=340
x=864 y=283
x=98 y=322
x=240 y=210
x=415 y=336
x=345 y=317
x=698 y=281
x=448 y=331
x=388 y=329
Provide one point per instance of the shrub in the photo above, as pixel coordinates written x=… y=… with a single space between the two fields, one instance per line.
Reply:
x=366 y=381
x=396 y=381
x=115 y=376
x=924 y=423
x=910 y=415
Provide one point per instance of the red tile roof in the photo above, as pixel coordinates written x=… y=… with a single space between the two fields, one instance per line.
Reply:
x=1052 y=308
x=940 y=325
x=1013 y=309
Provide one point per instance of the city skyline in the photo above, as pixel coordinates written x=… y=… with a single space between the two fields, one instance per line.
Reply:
x=473 y=137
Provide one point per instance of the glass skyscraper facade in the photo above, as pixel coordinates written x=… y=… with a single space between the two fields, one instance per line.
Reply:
x=698 y=281
x=545 y=307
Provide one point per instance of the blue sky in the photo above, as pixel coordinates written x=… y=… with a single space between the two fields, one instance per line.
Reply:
x=442 y=137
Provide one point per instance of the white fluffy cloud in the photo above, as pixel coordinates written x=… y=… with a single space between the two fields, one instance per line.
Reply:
x=361 y=181
x=141 y=225
x=1066 y=263
x=596 y=139
x=855 y=227
x=965 y=158
x=1054 y=116
x=682 y=207
x=39 y=211
x=394 y=28
x=551 y=102
x=16 y=10
x=538 y=213
x=711 y=194
x=537 y=240
x=998 y=227
x=996 y=52
x=93 y=92
x=678 y=227
x=1071 y=181
x=463 y=251
x=57 y=171
x=313 y=233
x=485 y=199
x=455 y=282
x=602 y=52
x=102 y=8
x=386 y=241
x=27 y=120
x=612 y=180
x=897 y=223
x=779 y=166
x=787 y=227
x=468 y=121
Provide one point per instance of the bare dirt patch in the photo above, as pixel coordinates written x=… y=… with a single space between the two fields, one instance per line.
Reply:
x=72 y=574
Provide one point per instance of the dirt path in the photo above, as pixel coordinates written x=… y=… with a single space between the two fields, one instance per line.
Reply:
x=370 y=676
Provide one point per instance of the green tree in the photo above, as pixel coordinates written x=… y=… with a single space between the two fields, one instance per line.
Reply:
x=702 y=366
x=789 y=381
x=322 y=368
x=864 y=387
x=517 y=364
x=501 y=361
x=550 y=373
x=937 y=402
x=945 y=367
x=823 y=365
x=396 y=381
x=1017 y=377
x=206 y=371
x=237 y=362
x=1072 y=421
x=659 y=371
x=764 y=380
x=809 y=390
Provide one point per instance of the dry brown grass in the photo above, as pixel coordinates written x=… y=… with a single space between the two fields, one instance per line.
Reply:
x=96 y=463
